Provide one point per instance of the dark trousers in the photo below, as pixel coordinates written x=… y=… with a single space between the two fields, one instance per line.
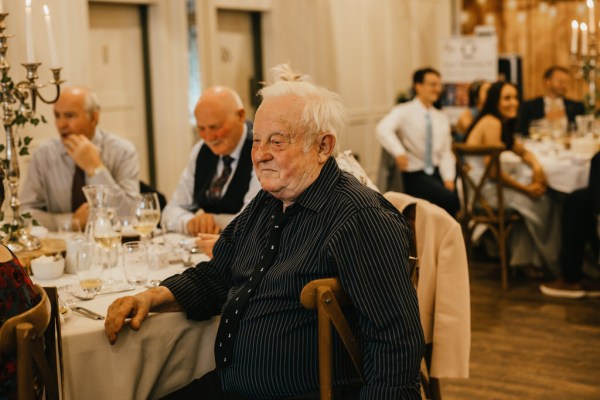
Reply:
x=209 y=388
x=431 y=188
x=578 y=229
x=579 y=225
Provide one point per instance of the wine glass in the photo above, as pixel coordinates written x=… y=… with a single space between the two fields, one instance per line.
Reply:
x=147 y=212
x=135 y=262
x=107 y=234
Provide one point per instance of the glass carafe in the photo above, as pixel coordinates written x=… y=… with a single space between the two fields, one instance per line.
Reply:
x=98 y=198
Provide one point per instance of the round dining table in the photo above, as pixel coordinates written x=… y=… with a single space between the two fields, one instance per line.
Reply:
x=168 y=351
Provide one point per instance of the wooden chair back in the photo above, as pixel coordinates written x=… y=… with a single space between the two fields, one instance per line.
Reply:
x=476 y=208
x=327 y=296
x=24 y=335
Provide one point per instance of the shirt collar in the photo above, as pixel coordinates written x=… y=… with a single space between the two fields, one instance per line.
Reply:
x=235 y=154
x=421 y=107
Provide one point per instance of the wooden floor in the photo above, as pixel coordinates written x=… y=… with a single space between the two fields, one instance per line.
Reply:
x=526 y=345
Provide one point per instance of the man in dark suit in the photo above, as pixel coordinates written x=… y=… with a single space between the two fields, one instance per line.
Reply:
x=219 y=180
x=554 y=107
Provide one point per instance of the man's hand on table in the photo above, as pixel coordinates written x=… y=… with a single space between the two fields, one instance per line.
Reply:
x=137 y=308
x=206 y=242
x=203 y=223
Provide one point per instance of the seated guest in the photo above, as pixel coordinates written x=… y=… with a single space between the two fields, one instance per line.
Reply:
x=477 y=95
x=218 y=181
x=83 y=155
x=418 y=136
x=17 y=295
x=496 y=125
x=580 y=224
x=309 y=221
x=553 y=107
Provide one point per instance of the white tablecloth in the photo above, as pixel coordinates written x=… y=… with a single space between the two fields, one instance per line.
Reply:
x=565 y=171
x=168 y=351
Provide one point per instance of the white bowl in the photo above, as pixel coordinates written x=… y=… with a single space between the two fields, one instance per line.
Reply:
x=47 y=267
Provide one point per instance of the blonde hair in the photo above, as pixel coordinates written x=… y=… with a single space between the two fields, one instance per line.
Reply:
x=323 y=109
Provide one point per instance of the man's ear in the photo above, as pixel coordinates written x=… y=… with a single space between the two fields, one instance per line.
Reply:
x=95 y=117
x=326 y=144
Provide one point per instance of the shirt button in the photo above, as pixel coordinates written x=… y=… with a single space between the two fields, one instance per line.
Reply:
x=272 y=247
x=262 y=269
x=237 y=298
x=227 y=320
x=236 y=311
x=220 y=344
x=249 y=290
x=225 y=359
x=250 y=279
x=276 y=226
x=229 y=335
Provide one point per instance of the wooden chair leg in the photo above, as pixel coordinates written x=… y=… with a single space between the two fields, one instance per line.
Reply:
x=24 y=361
x=325 y=348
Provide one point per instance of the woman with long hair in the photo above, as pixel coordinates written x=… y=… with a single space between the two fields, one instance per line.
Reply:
x=525 y=189
x=17 y=295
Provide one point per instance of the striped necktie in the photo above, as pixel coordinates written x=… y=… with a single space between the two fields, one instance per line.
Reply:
x=216 y=187
x=428 y=145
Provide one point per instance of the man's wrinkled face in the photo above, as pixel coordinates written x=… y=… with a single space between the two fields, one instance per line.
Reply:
x=284 y=167
x=219 y=127
x=71 y=118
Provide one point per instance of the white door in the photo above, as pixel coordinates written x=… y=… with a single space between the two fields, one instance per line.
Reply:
x=118 y=74
x=235 y=64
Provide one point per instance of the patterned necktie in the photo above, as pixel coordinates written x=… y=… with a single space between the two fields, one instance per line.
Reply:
x=216 y=186
x=428 y=145
x=77 y=196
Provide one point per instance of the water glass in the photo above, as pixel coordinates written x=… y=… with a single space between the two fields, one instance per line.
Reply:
x=135 y=262
x=67 y=227
x=89 y=267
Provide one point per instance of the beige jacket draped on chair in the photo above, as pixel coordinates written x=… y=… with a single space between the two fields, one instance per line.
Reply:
x=443 y=288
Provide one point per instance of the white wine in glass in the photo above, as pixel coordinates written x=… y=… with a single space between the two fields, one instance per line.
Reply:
x=147 y=212
x=147 y=221
x=108 y=240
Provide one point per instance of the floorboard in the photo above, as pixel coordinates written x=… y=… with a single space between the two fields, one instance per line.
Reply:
x=526 y=345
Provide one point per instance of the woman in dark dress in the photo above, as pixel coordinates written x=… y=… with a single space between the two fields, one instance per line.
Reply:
x=17 y=295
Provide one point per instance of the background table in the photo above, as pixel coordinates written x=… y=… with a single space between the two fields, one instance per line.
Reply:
x=168 y=351
x=565 y=170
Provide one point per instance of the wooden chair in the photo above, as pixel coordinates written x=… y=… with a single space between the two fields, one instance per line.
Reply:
x=24 y=334
x=326 y=296
x=476 y=209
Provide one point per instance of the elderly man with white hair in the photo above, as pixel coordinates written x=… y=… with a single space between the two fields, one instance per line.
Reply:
x=309 y=221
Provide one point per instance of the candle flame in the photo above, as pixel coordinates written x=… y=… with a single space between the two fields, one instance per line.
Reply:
x=574 y=24
x=583 y=26
x=27 y=3
x=46 y=10
x=590 y=3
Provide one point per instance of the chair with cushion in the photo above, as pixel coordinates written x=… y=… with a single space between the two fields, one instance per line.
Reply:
x=25 y=336
x=476 y=209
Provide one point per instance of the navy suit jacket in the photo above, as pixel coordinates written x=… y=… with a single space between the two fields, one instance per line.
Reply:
x=534 y=109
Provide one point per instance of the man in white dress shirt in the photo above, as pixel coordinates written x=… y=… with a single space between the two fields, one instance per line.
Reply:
x=418 y=136
x=83 y=154
x=218 y=181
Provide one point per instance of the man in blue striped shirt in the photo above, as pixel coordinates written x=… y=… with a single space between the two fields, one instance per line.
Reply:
x=309 y=221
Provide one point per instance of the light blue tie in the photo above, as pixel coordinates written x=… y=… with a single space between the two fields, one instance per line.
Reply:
x=428 y=145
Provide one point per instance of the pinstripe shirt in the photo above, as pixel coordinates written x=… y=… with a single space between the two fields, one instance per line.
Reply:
x=342 y=229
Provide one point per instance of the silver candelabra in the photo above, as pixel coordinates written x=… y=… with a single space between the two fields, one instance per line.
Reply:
x=19 y=100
